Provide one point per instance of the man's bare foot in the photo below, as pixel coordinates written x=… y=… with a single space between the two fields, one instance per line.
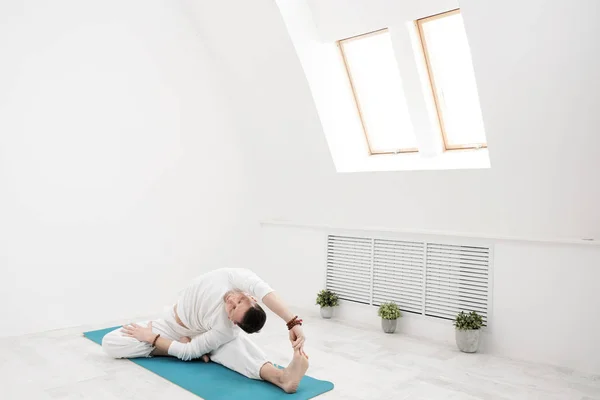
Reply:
x=294 y=372
x=185 y=339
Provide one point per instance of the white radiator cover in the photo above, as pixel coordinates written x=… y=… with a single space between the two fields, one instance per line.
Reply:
x=349 y=267
x=429 y=278
x=398 y=273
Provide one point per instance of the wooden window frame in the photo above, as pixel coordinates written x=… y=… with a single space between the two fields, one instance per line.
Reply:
x=436 y=99
x=340 y=44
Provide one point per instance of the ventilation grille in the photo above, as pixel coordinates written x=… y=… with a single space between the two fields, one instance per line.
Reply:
x=457 y=280
x=349 y=268
x=398 y=274
x=437 y=280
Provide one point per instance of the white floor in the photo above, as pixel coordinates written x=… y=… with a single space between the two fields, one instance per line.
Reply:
x=362 y=364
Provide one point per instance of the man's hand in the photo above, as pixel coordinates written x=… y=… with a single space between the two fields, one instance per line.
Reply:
x=140 y=333
x=277 y=305
x=297 y=338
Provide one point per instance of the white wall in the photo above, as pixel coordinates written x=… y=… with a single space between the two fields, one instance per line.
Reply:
x=536 y=70
x=121 y=174
x=543 y=181
x=536 y=111
x=529 y=149
x=338 y=19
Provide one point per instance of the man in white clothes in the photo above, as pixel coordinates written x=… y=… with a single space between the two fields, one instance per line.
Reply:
x=206 y=322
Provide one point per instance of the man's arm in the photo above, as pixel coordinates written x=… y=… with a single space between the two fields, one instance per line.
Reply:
x=199 y=345
x=161 y=347
x=184 y=339
x=276 y=304
x=196 y=348
x=248 y=281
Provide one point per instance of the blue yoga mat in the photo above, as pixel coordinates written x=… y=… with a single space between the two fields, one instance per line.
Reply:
x=212 y=381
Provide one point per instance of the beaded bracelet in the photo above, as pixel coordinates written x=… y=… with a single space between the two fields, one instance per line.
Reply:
x=295 y=321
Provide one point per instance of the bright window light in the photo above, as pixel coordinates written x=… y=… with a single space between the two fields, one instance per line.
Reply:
x=450 y=68
x=377 y=87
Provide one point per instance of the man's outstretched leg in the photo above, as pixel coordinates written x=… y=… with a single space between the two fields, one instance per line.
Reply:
x=289 y=378
x=245 y=357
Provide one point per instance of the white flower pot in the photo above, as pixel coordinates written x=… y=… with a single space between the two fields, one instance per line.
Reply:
x=389 y=325
x=326 y=312
x=467 y=340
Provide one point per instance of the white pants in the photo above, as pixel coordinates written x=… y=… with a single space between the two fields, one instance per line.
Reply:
x=241 y=355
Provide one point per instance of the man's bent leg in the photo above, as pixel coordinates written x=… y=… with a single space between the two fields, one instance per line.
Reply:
x=117 y=345
x=245 y=357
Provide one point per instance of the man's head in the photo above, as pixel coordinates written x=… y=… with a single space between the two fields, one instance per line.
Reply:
x=244 y=311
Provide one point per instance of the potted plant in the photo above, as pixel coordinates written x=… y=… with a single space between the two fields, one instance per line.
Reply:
x=467 y=331
x=327 y=300
x=389 y=313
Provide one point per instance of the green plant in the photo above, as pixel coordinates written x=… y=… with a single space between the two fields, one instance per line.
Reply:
x=389 y=311
x=327 y=298
x=468 y=321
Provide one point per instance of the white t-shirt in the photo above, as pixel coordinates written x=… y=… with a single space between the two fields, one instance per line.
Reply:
x=202 y=309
